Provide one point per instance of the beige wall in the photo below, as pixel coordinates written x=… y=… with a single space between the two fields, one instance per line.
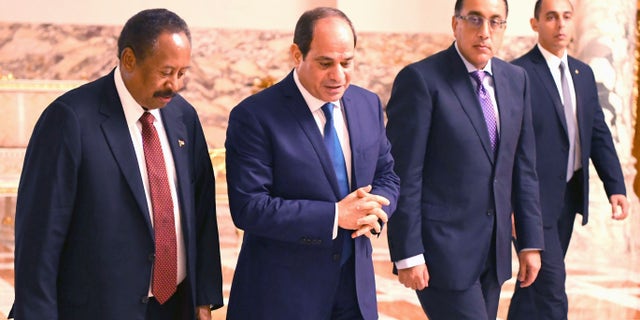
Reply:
x=414 y=16
x=431 y=16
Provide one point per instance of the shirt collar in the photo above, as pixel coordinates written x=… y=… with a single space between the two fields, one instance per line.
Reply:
x=132 y=109
x=313 y=103
x=552 y=60
x=470 y=67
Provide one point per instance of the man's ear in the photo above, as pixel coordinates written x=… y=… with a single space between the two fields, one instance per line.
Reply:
x=534 y=24
x=296 y=54
x=128 y=59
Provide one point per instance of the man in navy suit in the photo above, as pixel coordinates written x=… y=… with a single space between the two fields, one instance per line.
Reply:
x=306 y=252
x=462 y=139
x=86 y=217
x=570 y=129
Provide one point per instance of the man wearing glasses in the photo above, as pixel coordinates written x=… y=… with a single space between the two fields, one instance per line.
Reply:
x=460 y=127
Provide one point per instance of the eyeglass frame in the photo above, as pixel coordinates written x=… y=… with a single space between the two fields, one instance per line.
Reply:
x=477 y=21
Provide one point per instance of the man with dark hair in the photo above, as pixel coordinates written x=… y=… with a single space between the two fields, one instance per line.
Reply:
x=310 y=179
x=115 y=213
x=462 y=140
x=570 y=129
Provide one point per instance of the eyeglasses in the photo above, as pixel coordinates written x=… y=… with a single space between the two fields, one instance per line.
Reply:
x=478 y=21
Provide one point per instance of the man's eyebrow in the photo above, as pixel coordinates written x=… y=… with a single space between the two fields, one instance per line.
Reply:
x=479 y=14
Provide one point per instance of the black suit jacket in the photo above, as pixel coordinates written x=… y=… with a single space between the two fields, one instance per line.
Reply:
x=552 y=143
x=454 y=191
x=282 y=193
x=84 y=240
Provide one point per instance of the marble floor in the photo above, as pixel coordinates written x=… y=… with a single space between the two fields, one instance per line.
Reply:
x=596 y=290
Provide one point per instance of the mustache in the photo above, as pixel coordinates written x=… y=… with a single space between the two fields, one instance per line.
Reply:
x=165 y=94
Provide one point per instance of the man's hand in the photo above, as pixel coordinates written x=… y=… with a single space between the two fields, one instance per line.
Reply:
x=360 y=211
x=619 y=200
x=529 y=267
x=203 y=313
x=416 y=278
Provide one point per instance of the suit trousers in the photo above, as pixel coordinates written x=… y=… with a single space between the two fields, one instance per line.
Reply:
x=177 y=307
x=479 y=302
x=345 y=306
x=546 y=298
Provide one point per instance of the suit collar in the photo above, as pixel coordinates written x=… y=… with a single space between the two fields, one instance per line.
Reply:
x=312 y=102
x=132 y=110
x=470 y=67
x=552 y=60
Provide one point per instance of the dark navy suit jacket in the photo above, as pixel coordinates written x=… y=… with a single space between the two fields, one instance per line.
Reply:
x=551 y=135
x=84 y=240
x=454 y=191
x=282 y=193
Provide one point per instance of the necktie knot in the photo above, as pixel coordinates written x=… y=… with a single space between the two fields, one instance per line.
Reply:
x=327 y=108
x=147 y=118
x=478 y=76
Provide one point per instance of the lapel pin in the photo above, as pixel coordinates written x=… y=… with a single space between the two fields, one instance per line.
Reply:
x=577 y=71
x=180 y=143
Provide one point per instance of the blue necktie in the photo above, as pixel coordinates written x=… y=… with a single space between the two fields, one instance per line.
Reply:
x=332 y=144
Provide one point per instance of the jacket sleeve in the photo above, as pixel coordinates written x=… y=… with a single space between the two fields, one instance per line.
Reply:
x=46 y=197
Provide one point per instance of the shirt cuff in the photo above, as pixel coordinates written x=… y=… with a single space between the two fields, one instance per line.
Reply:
x=410 y=262
x=334 y=235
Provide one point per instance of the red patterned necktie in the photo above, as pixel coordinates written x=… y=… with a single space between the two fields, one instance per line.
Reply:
x=165 y=268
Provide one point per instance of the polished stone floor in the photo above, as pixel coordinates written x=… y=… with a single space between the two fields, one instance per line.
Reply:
x=596 y=290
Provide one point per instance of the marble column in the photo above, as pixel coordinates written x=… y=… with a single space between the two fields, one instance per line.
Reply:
x=605 y=39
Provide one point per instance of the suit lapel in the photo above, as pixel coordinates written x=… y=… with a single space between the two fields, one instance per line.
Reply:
x=176 y=131
x=116 y=133
x=575 y=76
x=509 y=118
x=544 y=76
x=460 y=83
x=352 y=111
x=300 y=111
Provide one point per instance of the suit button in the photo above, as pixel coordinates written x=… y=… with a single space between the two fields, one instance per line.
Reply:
x=336 y=256
x=144 y=299
x=490 y=212
x=152 y=257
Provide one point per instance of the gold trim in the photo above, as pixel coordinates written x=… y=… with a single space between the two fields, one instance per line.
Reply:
x=8 y=190
x=23 y=85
